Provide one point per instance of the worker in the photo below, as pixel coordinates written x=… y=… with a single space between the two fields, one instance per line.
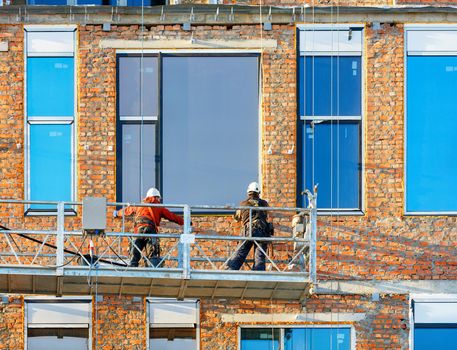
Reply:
x=260 y=227
x=147 y=220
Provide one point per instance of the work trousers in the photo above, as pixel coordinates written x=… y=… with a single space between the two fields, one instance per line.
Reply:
x=151 y=244
x=243 y=251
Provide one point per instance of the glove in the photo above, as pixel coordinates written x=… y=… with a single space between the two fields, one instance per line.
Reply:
x=115 y=214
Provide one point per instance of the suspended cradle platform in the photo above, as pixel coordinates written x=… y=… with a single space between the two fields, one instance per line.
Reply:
x=160 y=282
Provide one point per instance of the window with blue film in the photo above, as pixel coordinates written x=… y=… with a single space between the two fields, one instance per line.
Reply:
x=143 y=2
x=50 y=86
x=332 y=157
x=93 y=2
x=50 y=163
x=317 y=338
x=259 y=339
x=439 y=337
x=431 y=142
x=46 y=2
x=330 y=85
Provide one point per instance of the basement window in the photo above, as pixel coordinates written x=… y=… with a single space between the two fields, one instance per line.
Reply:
x=173 y=324
x=330 y=114
x=431 y=123
x=296 y=338
x=58 y=324
x=435 y=323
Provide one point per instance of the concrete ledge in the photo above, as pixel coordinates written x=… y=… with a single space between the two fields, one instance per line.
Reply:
x=288 y=318
x=188 y=44
x=387 y=287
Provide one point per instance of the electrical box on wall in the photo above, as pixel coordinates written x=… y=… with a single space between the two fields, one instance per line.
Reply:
x=94 y=215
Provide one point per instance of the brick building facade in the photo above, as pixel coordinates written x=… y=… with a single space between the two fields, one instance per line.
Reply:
x=375 y=260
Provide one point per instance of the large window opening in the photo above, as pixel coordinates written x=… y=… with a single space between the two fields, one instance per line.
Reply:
x=431 y=123
x=330 y=112
x=50 y=115
x=192 y=128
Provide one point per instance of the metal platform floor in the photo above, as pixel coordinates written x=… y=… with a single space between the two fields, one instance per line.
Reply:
x=163 y=282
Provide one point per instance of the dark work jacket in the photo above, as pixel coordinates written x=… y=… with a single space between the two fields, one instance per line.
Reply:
x=259 y=217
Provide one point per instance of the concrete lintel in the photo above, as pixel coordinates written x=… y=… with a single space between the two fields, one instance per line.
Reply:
x=188 y=44
x=386 y=287
x=291 y=318
x=226 y=15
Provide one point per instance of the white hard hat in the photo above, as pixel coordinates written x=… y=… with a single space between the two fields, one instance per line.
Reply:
x=253 y=187
x=153 y=192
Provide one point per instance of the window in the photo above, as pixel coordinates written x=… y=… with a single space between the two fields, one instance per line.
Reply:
x=62 y=324
x=173 y=324
x=137 y=126
x=431 y=160
x=204 y=127
x=50 y=115
x=330 y=108
x=259 y=339
x=311 y=338
x=435 y=323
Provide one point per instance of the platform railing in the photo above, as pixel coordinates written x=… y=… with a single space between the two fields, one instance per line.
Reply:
x=205 y=243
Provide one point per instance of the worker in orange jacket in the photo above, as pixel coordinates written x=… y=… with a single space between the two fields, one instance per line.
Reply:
x=147 y=220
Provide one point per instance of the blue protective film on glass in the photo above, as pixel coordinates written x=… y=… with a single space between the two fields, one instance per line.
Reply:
x=50 y=163
x=330 y=86
x=50 y=86
x=317 y=339
x=259 y=339
x=47 y=2
x=436 y=338
x=431 y=134
x=332 y=160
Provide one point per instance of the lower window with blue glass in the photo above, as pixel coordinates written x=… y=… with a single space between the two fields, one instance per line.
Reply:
x=435 y=322
x=299 y=338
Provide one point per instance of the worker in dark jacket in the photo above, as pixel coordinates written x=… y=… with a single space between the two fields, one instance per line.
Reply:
x=147 y=220
x=259 y=228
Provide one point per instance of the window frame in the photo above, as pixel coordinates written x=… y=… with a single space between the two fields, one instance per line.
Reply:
x=59 y=300
x=159 y=127
x=150 y=300
x=303 y=119
x=282 y=328
x=49 y=120
x=411 y=27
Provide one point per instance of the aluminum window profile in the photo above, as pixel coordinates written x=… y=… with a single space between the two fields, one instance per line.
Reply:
x=41 y=41
x=343 y=40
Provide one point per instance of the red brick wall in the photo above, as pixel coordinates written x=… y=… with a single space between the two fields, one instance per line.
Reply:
x=382 y=244
x=119 y=323
x=11 y=120
x=12 y=324
x=384 y=325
